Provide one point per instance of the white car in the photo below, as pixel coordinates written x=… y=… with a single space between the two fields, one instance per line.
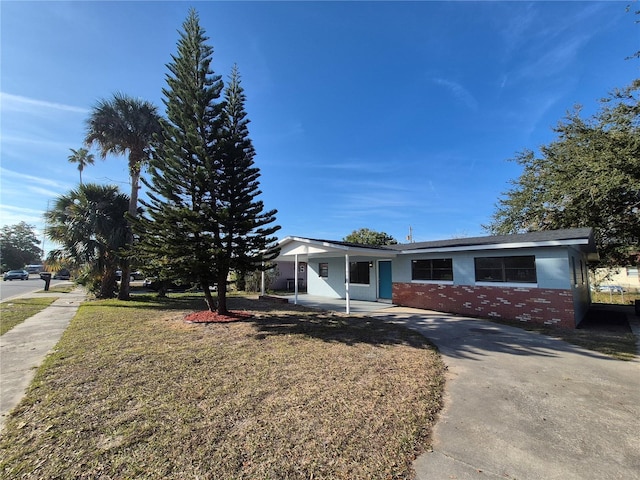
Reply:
x=610 y=288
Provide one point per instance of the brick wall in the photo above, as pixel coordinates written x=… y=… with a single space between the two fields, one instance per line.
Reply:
x=533 y=305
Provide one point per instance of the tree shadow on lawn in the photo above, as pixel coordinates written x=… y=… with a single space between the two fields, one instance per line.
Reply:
x=273 y=318
x=475 y=338
x=349 y=330
x=151 y=302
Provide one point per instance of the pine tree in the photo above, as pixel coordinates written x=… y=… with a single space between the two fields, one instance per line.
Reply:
x=202 y=217
x=245 y=230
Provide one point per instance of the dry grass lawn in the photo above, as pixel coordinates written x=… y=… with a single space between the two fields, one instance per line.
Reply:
x=133 y=391
x=16 y=311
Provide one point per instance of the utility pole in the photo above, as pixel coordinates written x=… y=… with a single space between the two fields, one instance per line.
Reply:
x=44 y=236
x=410 y=236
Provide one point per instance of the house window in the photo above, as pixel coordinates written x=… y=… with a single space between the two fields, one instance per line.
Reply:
x=506 y=269
x=323 y=269
x=359 y=272
x=632 y=272
x=432 y=269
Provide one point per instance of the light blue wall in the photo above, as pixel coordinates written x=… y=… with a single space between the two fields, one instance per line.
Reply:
x=553 y=269
x=581 y=293
x=552 y=266
x=334 y=285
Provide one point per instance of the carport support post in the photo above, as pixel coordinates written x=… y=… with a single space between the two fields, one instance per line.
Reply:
x=346 y=283
x=295 y=281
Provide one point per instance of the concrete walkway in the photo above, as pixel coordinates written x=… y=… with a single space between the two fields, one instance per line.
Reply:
x=519 y=405
x=24 y=347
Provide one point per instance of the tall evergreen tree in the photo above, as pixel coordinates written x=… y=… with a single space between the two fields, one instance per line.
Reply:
x=245 y=230
x=193 y=205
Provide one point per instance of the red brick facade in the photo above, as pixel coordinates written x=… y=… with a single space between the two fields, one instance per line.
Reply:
x=533 y=305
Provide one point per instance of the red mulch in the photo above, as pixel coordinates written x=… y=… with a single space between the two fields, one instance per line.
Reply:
x=214 y=317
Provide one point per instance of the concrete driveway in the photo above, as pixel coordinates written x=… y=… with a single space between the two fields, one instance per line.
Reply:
x=524 y=406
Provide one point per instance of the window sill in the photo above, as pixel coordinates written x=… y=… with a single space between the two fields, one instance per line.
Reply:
x=433 y=282
x=506 y=284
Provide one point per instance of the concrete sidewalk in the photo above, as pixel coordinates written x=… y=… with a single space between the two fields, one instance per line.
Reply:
x=24 y=347
x=519 y=405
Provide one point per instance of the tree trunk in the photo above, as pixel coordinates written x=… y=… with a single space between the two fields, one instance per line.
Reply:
x=107 y=283
x=241 y=281
x=162 y=288
x=222 y=293
x=134 y=171
x=208 y=298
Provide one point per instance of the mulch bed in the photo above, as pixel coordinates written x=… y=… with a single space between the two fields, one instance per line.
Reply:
x=207 y=316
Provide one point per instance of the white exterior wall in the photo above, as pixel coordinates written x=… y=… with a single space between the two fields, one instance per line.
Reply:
x=625 y=277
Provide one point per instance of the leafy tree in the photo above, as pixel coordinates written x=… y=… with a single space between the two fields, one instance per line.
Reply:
x=364 y=236
x=202 y=214
x=588 y=177
x=19 y=246
x=117 y=126
x=89 y=223
x=82 y=157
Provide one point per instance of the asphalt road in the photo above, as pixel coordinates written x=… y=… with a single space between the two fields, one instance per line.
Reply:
x=14 y=288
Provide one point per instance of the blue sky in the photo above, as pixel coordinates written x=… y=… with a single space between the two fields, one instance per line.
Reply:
x=385 y=115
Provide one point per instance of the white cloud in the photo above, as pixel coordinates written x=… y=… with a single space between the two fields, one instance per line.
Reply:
x=555 y=60
x=461 y=94
x=23 y=177
x=12 y=215
x=17 y=103
x=40 y=142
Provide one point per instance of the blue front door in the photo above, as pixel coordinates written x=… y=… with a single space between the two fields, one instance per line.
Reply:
x=384 y=280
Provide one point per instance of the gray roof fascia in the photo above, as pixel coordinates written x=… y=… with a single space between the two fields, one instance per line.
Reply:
x=577 y=237
x=548 y=238
x=344 y=246
x=496 y=246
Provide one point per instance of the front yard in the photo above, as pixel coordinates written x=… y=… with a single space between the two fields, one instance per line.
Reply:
x=133 y=391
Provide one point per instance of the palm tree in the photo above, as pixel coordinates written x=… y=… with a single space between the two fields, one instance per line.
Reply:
x=90 y=225
x=117 y=126
x=82 y=157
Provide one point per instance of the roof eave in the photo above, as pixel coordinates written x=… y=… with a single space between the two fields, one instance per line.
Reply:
x=499 y=246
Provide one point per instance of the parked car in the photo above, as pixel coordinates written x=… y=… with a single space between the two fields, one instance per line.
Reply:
x=137 y=275
x=610 y=288
x=154 y=284
x=62 y=274
x=16 y=275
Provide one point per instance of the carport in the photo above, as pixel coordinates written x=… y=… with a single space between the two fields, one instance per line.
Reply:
x=338 y=304
x=298 y=249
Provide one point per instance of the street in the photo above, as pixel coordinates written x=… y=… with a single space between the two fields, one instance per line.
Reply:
x=13 y=288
